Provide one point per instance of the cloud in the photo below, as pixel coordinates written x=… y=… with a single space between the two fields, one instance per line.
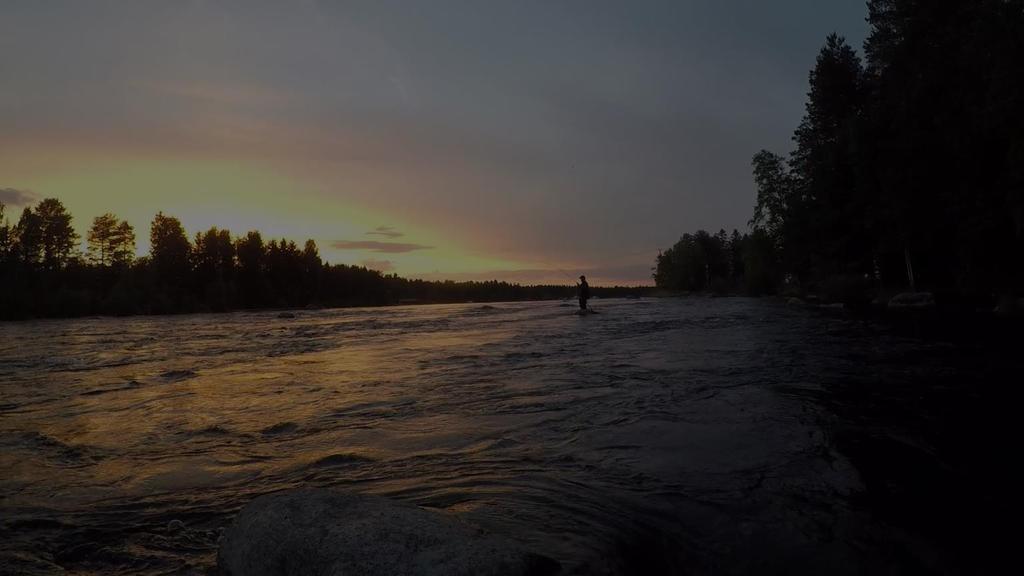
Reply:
x=382 y=247
x=387 y=231
x=15 y=197
x=379 y=265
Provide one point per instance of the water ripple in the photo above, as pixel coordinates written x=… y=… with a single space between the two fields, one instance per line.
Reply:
x=656 y=436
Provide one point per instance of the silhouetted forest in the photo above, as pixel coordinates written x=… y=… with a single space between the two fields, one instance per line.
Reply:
x=907 y=172
x=43 y=274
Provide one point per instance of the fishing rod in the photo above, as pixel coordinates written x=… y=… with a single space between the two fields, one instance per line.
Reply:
x=566 y=274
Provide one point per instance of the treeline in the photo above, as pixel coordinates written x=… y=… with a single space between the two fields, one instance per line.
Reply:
x=719 y=263
x=907 y=172
x=43 y=273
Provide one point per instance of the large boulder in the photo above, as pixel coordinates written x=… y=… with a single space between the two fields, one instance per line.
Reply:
x=318 y=532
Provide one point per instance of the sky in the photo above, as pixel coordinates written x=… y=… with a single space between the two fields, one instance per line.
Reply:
x=523 y=141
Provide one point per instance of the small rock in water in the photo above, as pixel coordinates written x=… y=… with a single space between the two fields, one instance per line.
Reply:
x=175 y=526
x=317 y=531
x=286 y=315
x=177 y=375
x=1008 y=306
x=912 y=300
x=280 y=428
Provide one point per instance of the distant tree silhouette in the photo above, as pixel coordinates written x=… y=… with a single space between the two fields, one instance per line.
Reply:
x=170 y=257
x=737 y=269
x=312 y=268
x=720 y=263
x=57 y=236
x=122 y=244
x=776 y=192
x=251 y=283
x=7 y=239
x=284 y=270
x=29 y=237
x=699 y=262
x=760 y=264
x=214 y=267
x=101 y=239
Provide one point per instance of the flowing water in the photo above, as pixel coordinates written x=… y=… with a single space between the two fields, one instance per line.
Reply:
x=676 y=435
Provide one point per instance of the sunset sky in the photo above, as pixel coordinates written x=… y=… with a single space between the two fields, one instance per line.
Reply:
x=526 y=141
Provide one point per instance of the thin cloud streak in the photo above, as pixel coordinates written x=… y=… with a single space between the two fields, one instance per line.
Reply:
x=381 y=247
x=386 y=231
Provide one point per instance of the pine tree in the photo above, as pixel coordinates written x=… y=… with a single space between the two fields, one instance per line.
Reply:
x=123 y=244
x=101 y=239
x=169 y=250
x=56 y=235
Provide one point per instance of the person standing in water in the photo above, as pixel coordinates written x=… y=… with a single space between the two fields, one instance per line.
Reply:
x=584 y=292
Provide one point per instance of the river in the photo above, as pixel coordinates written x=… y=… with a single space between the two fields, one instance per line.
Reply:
x=699 y=435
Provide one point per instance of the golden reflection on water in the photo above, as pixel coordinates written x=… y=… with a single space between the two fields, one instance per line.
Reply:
x=528 y=418
x=178 y=422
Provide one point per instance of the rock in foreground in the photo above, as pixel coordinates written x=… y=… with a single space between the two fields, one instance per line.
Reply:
x=912 y=301
x=320 y=532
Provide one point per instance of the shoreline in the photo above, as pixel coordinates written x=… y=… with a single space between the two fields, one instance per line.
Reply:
x=630 y=293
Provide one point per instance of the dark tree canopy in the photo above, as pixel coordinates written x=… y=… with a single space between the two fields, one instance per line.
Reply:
x=29 y=235
x=6 y=236
x=110 y=240
x=703 y=262
x=775 y=193
x=217 y=272
x=122 y=244
x=169 y=250
x=907 y=172
x=57 y=236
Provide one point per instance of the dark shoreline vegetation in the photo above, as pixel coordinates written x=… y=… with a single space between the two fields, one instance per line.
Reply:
x=907 y=173
x=43 y=276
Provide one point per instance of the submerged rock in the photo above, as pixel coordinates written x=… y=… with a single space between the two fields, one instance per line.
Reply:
x=177 y=375
x=318 y=532
x=286 y=315
x=1008 y=306
x=912 y=300
x=280 y=428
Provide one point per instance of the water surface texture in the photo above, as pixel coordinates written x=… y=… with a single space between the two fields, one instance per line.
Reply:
x=680 y=435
